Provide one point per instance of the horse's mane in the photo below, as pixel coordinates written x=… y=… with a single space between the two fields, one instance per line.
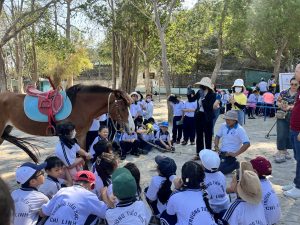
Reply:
x=81 y=88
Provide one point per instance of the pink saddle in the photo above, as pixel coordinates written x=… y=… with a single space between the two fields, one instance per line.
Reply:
x=49 y=103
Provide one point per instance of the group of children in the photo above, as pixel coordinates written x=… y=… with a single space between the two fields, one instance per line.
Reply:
x=199 y=196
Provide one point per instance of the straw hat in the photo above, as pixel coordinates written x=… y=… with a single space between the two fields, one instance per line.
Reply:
x=249 y=188
x=206 y=81
x=238 y=83
x=135 y=93
x=231 y=115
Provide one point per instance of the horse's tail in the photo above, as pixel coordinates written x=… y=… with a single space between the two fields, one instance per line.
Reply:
x=31 y=150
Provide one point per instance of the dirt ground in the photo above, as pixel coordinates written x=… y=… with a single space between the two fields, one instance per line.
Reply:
x=11 y=157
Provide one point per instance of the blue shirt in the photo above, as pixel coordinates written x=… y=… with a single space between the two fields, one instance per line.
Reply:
x=135 y=109
x=190 y=105
x=232 y=138
x=177 y=108
x=126 y=137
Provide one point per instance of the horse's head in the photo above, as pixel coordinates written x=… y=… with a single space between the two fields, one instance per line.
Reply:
x=119 y=109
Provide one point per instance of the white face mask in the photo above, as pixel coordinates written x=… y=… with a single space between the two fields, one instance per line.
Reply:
x=238 y=89
x=148 y=100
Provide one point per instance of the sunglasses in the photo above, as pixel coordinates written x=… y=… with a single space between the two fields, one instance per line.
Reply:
x=294 y=84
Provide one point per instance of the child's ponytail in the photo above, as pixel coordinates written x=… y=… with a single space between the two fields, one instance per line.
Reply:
x=165 y=191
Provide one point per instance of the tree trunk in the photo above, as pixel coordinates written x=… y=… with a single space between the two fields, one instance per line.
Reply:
x=70 y=81
x=55 y=18
x=34 y=60
x=121 y=75
x=147 y=75
x=114 y=67
x=220 y=44
x=19 y=62
x=3 y=77
x=278 y=58
x=68 y=37
x=135 y=69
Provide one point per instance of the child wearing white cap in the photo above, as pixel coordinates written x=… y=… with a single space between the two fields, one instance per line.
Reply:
x=76 y=204
x=247 y=208
x=215 y=182
x=238 y=100
x=28 y=200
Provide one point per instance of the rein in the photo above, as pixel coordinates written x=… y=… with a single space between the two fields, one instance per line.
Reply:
x=108 y=112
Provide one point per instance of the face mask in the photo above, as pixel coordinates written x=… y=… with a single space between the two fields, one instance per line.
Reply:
x=73 y=134
x=148 y=100
x=238 y=89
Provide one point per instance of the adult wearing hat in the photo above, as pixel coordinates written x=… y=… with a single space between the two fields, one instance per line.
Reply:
x=247 y=208
x=235 y=141
x=204 y=114
x=239 y=100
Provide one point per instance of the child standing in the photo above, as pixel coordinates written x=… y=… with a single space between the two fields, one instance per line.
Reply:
x=190 y=204
x=129 y=143
x=28 y=200
x=129 y=210
x=189 y=120
x=270 y=201
x=215 y=182
x=135 y=108
x=178 y=113
x=67 y=148
x=53 y=182
x=148 y=111
x=251 y=103
x=162 y=137
x=76 y=204
x=247 y=208
x=159 y=190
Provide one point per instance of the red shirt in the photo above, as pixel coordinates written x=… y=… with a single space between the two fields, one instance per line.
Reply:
x=295 y=117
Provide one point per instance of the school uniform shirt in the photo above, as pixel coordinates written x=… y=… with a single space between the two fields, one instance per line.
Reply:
x=147 y=137
x=73 y=205
x=91 y=150
x=263 y=86
x=51 y=186
x=163 y=136
x=252 y=99
x=270 y=202
x=241 y=99
x=103 y=117
x=216 y=188
x=125 y=136
x=68 y=156
x=132 y=213
x=189 y=207
x=177 y=108
x=190 y=105
x=135 y=109
x=153 y=189
x=260 y=99
x=244 y=213
x=28 y=202
x=232 y=138
x=98 y=185
x=148 y=111
x=95 y=125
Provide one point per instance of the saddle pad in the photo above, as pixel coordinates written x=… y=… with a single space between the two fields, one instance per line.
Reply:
x=32 y=111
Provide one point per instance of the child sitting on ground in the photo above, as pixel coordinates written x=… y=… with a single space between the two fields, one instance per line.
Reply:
x=129 y=144
x=270 y=201
x=215 y=182
x=154 y=125
x=190 y=205
x=129 y=210
x=54 y=182
x=162 y=138
x=105 y=166
x=159 y=190
x=28 y=200
x=146 y=137
x=247 y=208
x=67 y=148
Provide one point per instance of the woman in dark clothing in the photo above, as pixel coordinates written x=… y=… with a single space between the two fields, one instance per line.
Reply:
x=204 y=114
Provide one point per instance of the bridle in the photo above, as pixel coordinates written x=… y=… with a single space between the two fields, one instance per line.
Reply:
x=108 y=111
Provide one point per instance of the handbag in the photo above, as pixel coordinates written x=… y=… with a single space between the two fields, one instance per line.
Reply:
x=280 y=115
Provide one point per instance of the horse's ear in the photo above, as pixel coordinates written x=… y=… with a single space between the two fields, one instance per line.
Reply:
x=122 y=95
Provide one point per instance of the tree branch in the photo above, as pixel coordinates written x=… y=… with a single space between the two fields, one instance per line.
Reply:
x=170 y=10
x=140 y=10
x=1 y=5
x=26 y=20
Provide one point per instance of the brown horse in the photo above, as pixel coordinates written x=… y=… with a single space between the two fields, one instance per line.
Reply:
x=88 y=102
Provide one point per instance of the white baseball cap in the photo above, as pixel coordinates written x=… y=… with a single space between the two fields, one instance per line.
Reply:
x=27 y=170
x=209 y=159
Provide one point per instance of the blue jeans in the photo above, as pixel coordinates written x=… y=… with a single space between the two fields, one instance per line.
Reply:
x=296 y=149
x=241 y=116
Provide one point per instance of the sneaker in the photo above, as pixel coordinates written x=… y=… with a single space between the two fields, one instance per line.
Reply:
x=280 y=158
x=293 y=193
x=184 y=143
x=288 y=187
x=178 y=142
x=288 y=156
x=192 y=143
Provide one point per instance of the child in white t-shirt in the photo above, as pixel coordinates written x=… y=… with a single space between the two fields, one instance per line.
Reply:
x=76 y=204
x=104 y=167
x=159 y=190
x=270 y=201
x=67 y=149
x=54 y=182
x=189 y=205
x=129 y=210
x=162 y=137
x=27 y=199
x=215 y=182
x=102 y=135
x=129 y=144
x=247 y=208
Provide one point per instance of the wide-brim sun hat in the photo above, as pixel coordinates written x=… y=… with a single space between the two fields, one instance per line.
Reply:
x=135 y=93
x=231 y=115
x=210 y=159
x=206 y=81
x=249 y=188
x=239 y=83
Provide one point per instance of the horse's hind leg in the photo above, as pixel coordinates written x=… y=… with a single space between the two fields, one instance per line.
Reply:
x=4 y=128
